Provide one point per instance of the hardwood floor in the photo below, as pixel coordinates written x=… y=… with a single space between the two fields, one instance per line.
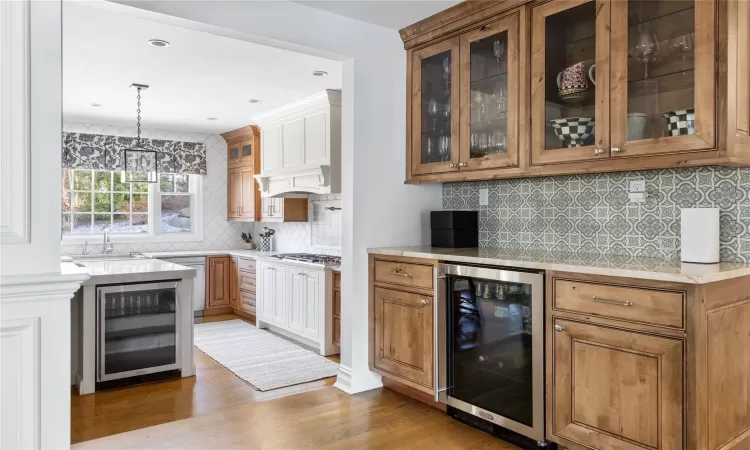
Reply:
x=214 y=388
x=324 y=418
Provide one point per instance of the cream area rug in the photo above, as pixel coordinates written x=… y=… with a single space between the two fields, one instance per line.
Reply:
x=259 y=357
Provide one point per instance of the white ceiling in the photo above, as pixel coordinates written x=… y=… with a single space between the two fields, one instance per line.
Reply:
x=200 y=75
x=393 y=14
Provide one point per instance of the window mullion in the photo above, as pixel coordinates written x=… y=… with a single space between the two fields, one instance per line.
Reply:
x=154 y=207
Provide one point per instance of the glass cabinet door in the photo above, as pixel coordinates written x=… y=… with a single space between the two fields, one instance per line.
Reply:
x=233 y=154
x=434 y=108
x=662 y=76
x=570 y=81
x=489 y=133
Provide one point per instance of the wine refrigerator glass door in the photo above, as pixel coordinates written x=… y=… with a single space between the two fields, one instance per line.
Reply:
x=493 y=346
x=137 y=330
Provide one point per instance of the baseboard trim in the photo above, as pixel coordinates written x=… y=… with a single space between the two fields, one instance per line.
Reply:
x=344 y=379
x=416 y=394
x=218 y=311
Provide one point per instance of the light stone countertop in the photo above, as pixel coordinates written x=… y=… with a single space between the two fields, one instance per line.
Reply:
x=128 y=271
x=615 y=266
x=187 y=253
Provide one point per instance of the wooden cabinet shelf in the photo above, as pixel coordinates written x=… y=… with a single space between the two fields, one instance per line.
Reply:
x=639 y=61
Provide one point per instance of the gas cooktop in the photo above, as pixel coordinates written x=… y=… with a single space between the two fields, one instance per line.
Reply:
x=328 y=260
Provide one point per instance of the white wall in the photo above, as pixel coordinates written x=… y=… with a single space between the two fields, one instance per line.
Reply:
x=42 y=253
x=378 y=209
x=218 y=234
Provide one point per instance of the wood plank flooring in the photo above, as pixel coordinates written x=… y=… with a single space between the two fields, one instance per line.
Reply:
x=324 y=418
x=214 y=388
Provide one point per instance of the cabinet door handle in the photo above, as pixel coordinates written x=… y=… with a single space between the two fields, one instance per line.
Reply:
x=301 y=274
x=611 y=302
x=559 y=328
x=463 y=164
x=598 y=151
x=425 y=302
x=615 y=149
x=401 y=274
x=452 y=165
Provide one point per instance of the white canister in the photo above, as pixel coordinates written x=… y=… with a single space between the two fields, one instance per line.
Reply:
x=700 y=235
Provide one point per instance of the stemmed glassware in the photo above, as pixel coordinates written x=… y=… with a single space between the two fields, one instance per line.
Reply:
x=481 y=106
x=447 y=74
x=432 y=110
x=684 y=45
x=447 y=115
x=501 y=100
x=498 y=49
x=646 y=49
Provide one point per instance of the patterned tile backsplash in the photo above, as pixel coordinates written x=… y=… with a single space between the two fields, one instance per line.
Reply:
x=592 y=214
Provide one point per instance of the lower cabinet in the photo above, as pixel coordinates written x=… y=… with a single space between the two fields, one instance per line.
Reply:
x=218 y=291
x=336 y=313
x=404 y=335
x=292 y=299
x=616 y=389
x=233 y=286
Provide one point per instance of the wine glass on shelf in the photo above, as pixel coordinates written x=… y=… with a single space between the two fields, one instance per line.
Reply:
x=447 y=115
x=429 y=149
x=432 y=110
x=684 y=46
x=501 y=99
x=498 y=49
x=447 y=73
x=646 y=48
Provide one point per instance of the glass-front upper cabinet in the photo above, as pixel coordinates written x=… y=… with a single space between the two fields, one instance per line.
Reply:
x=435 y=108
x=662 y=80
x=490 y=95
x=569 y=81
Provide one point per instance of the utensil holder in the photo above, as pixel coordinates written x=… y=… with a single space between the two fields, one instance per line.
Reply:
x=266 y=244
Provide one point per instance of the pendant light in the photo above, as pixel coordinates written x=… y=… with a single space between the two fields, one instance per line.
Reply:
x=137 y=159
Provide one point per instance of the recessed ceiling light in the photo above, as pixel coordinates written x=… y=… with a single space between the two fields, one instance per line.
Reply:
x=320 y=73
x=254 y=100
x=211 y=118
x=158 y=42
x=96 y=105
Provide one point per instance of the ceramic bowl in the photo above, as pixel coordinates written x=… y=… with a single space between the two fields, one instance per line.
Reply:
x=573 y=131
x=680 y=122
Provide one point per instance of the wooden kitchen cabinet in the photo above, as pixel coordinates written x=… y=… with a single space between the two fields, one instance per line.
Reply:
x=218 y=283
x=275 y=209
x=401 y=334
x=336 y=310
x=616 y=388
x=577 y=86
x=243 y=162
x=234 y=288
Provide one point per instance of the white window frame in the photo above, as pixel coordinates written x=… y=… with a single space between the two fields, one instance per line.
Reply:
x=154 y=234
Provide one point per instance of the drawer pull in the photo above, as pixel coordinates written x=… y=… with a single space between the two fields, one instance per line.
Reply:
x=611 y=302
x=401 y=274
x=559 y=328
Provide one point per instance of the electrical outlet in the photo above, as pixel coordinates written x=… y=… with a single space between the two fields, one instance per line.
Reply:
x=484 y=197
x=638 y=185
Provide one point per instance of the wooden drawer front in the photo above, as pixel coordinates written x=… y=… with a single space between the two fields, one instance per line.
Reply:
x=404 y=274
x=650 y=306
x=247 y=281
x=337 y=280
x=247 y=302
x=246 y=264
x=336 y=331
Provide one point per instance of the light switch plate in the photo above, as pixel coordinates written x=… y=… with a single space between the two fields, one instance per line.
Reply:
x=484 y=197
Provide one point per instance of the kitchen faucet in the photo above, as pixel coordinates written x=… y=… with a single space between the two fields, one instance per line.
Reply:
x=108 y=247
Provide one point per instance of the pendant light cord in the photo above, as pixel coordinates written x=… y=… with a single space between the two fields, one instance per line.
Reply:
x=138 y=123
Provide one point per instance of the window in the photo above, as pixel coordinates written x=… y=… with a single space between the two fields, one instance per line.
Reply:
x=94 y=201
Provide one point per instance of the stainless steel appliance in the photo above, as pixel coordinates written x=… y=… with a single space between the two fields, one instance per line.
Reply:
x=137 y=330
x=199 y=282
x=489 y=345
x=310 y=258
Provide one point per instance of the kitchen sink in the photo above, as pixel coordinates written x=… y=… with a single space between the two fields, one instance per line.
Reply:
x=108 y=257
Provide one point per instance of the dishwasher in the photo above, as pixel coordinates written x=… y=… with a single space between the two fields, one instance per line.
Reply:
x=199 y=282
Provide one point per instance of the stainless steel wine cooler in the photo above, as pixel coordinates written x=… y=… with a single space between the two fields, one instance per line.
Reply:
x=137 y=330
x=489 y=345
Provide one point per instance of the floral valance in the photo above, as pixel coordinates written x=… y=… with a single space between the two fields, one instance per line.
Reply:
x=105 y=152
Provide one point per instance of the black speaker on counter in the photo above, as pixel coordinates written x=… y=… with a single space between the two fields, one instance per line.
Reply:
x=454 y=229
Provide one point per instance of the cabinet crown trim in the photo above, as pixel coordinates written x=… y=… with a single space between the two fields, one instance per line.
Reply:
x=328 y=97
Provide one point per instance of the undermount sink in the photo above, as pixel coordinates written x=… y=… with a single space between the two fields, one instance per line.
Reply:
x=108 y=257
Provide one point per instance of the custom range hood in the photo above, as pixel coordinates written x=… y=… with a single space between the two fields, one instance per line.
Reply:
x=301 y=147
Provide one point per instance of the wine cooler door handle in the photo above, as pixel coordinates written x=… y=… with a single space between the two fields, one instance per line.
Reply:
x=439 y=334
